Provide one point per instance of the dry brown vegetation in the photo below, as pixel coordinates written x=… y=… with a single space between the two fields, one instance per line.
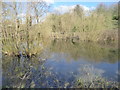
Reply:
x=29 y=34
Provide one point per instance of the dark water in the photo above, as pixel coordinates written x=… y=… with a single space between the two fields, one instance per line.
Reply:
x=61 y=64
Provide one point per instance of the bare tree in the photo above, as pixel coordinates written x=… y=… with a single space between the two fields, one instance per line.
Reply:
x=39 y=9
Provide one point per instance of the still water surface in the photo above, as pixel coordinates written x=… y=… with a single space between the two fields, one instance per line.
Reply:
x=60 y=63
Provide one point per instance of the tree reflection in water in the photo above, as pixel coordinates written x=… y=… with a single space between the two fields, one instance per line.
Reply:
x=33 y=72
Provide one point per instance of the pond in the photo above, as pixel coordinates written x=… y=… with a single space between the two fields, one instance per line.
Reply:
x=60 y=64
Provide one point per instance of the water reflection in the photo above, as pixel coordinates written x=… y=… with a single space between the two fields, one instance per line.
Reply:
x=59 y=64
x=32 y=73
x=89 y=51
